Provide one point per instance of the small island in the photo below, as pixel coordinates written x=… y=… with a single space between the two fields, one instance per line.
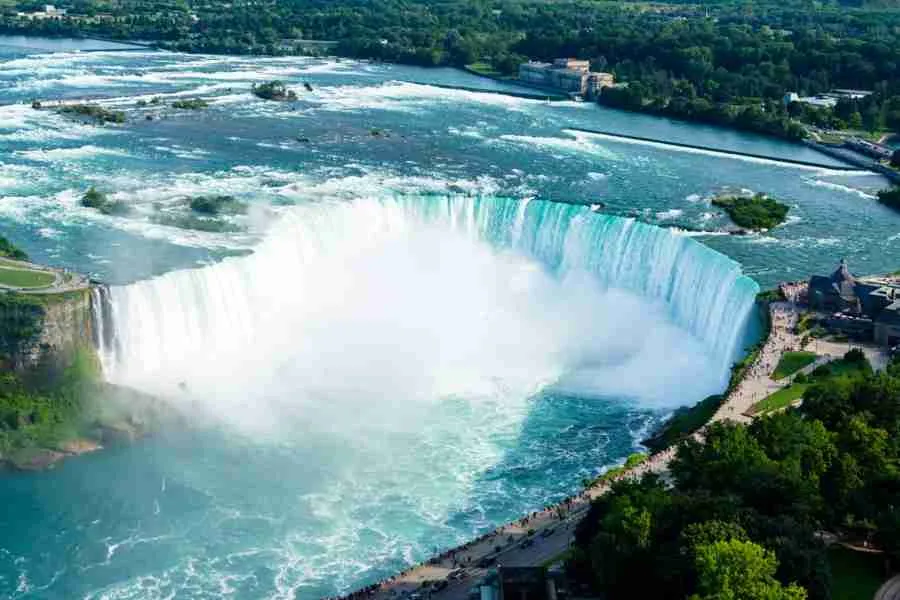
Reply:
x=274 y=90
x=217 y=205
x=754 y=213
x=97 y=199
x=191 y=104
x=93 y=112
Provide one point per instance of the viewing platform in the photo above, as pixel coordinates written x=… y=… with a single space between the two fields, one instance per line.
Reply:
x=29 y=278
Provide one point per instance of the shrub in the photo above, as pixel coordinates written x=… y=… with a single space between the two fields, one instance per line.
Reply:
x=822 y=371
x=93 y=198
x=855 y=355
x=10 y=250
x=193 y=104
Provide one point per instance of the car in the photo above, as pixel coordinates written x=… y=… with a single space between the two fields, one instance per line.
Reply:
x=526 y=543
x=548 y=532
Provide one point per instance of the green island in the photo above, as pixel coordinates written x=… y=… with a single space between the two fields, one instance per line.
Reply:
x=754 y=213
x=217 y=205
x=206 y=214
x=93 y=112
x=98 y=200
x=196 y=223
x=191 y=104
x=274 y=90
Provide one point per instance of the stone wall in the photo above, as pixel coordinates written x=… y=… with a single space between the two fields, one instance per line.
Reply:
x=40 y=332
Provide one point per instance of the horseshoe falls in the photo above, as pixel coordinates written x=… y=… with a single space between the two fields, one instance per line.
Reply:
x=381 y=293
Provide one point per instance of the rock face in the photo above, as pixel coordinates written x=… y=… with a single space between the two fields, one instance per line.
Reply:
x=44 y=331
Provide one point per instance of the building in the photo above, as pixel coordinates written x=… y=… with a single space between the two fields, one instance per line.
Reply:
x=834 y=293
x=826 y=100
x=535 y=73
x=865 y=308
x=572 y=64
x=887 y=325
x=819 y=101
x=50 y=12
x=568 y=75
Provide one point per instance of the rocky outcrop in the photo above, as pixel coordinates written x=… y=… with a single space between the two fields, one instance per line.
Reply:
x=44 y=331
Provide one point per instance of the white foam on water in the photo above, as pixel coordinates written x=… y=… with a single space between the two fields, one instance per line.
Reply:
x=841 y=188
x=55 y=155
x=672 y=213
x=579 y=144
x=404 y=97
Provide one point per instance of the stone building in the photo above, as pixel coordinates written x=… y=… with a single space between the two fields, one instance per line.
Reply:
x=568 y=75
x=835 y=292
x=861 y=307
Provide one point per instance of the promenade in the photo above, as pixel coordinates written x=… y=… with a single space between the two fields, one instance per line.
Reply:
x=542 y=536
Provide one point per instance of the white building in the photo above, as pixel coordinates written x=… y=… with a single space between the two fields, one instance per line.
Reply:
x=566 y=75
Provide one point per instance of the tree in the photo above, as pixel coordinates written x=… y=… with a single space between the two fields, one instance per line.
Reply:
x=738 y=570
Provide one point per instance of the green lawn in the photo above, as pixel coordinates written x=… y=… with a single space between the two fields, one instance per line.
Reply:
x=781 y=399
x=25 y=279
x=854 y=575
x=786 y=396
x=791 y=362
x=483 y=68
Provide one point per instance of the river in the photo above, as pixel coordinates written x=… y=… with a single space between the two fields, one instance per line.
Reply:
x=411 y=334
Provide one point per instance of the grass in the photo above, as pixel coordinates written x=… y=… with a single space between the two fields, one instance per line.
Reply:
x=791 y=362
x=790 y=394
x=854 y=575
x=22 y=278
x=684 y=422
x=483 y=68
x=781 y=399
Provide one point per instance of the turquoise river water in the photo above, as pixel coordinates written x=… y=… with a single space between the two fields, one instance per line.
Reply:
x=418 y=330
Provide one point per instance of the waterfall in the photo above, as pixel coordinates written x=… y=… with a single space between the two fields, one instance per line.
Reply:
x=104 y=324
x=297 y=273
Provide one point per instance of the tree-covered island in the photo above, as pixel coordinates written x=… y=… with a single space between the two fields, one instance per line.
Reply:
x=753 y=213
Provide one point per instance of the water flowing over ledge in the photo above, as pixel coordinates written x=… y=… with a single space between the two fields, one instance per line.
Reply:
x=219 y=306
